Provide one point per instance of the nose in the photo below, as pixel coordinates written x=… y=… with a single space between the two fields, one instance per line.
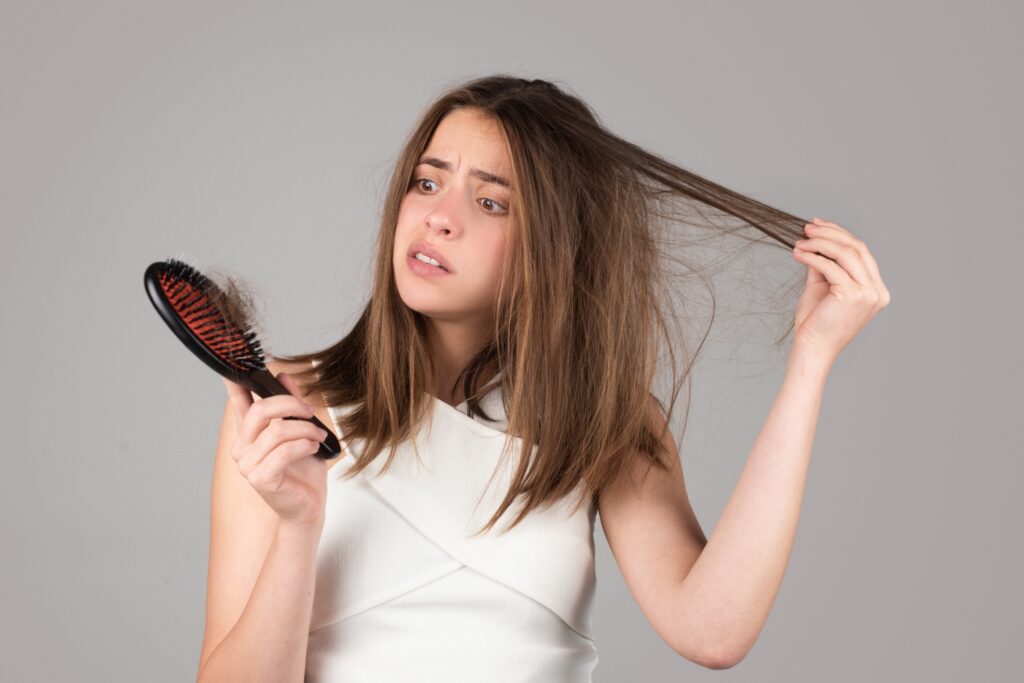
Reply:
x=439 y=222
x=446 y=214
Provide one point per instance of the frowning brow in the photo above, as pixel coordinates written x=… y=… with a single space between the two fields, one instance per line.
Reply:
x=486 y=176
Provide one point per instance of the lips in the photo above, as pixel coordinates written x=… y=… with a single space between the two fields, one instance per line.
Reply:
x=426 y=249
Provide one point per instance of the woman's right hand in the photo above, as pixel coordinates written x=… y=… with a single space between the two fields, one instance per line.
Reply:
x=276 y=456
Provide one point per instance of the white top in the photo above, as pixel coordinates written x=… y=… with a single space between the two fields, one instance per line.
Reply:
x=403 y=594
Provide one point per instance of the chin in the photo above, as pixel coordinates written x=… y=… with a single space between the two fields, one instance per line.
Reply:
x=426 y=303
x=432 y=306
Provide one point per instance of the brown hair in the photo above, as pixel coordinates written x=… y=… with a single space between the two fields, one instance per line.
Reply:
x=582 y=297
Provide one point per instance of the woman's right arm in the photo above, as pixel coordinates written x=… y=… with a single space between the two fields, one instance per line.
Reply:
x=262 y=565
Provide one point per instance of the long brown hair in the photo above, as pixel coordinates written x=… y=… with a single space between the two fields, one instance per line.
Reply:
x=584 y=293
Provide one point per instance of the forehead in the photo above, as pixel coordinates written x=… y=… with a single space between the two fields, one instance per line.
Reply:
x=469 y=138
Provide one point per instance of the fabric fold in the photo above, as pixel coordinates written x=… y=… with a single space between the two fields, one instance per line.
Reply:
x=368 y=554
x=447 y=494
x=385 y=530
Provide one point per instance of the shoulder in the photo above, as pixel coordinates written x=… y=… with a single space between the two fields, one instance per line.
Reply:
x=637 y=468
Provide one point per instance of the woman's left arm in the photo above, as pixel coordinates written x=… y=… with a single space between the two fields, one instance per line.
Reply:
x=734 y=581
x=728 y=592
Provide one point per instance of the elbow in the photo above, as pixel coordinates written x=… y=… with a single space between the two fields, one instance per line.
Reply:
x=711 y=646
x=711 y=657
x=718 y=661
x=721 y=658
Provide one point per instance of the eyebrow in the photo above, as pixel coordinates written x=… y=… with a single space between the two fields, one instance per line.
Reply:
x=486 y=176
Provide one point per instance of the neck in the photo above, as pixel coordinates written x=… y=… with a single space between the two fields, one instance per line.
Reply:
x=452 y=346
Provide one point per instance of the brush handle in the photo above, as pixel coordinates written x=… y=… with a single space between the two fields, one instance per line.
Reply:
x=263 y=383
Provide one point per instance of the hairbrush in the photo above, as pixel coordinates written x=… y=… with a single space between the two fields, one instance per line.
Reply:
x=215 y=326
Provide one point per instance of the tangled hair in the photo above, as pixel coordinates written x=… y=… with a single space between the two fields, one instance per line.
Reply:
x=583 y=302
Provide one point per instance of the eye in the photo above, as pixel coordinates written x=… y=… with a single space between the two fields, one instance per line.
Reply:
x=417 y=182
x=504 y=209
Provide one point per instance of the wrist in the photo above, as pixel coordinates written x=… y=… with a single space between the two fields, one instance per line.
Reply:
x=808 y=364
x=300 y=532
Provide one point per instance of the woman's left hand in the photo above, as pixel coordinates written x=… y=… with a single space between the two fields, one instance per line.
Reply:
x=843 y=290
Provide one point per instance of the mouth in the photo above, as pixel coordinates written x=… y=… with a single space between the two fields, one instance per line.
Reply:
x=425 y=269
x=428 y=254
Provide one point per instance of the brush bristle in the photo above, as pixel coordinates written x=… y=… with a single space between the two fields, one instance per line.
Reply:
x=216 y=318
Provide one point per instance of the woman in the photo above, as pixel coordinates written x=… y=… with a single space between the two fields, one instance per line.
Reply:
x=516 y=295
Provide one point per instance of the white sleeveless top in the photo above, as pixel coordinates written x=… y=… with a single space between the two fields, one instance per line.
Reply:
x=404 y=594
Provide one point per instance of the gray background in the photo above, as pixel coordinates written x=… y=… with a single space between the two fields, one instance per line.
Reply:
x=257 y=137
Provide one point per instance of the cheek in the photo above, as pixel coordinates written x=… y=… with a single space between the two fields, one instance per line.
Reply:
x=401 y=223
x=402 y=229
x=492 y=258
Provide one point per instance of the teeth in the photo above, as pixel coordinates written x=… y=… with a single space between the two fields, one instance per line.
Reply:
x=427 y=259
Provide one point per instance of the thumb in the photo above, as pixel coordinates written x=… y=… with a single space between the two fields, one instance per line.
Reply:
x=290 y=384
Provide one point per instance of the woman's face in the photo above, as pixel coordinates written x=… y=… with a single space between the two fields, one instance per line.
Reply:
x=457 y=205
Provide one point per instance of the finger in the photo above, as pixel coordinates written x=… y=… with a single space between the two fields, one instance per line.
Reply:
x=833 y=272
x=814 y=276
x=280 y=431
x=277 y=433
x=848 y=256
x=842 y=234
x=234 y=389
x=260 y=465
x=822 y=221
x=289 y=383
x=272 y=467
x=265 y=411
x=239 y=398
x=295 y=388
x=826 y=228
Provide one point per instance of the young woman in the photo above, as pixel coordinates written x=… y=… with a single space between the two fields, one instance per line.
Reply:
x=510 y=337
